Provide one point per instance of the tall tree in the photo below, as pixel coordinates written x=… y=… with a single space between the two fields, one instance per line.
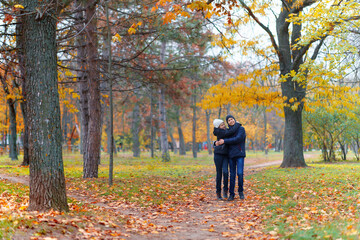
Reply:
x=93 y=141
x=162 y=114
x=47 y=181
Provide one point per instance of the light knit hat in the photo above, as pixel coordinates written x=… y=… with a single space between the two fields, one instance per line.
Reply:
x=217 y=122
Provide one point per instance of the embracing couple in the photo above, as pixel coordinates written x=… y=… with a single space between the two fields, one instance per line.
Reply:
x=229 y=150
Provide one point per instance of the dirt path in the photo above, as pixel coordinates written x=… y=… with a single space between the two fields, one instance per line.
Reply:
x=202 y=217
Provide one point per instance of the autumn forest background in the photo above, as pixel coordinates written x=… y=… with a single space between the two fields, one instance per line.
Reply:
x=107 y=109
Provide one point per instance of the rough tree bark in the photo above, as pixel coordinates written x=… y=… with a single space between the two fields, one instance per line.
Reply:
x=47 y=181
x=92 y=152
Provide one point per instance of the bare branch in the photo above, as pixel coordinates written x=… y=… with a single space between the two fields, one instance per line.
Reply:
x=267 y=30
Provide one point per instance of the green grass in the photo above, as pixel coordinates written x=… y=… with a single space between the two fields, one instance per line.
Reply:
x=318 y=202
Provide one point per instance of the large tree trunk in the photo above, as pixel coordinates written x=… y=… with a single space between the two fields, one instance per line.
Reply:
x=209 y=144
x=47 y=181
x=293 y=139
x=182 y=147
x=12 y=130
x=135 y=130
x=92 y=152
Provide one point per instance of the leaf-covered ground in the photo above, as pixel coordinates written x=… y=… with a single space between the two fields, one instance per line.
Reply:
x=319 y=202
x=154 y=200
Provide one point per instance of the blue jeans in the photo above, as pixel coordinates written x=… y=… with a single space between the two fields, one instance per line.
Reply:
x=221 y=164
x=236 y=167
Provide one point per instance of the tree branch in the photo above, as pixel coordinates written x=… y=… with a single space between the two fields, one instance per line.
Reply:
x=267 y=30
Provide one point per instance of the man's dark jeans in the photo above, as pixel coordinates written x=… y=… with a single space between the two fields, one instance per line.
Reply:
x=236 y=164
x=221 y=164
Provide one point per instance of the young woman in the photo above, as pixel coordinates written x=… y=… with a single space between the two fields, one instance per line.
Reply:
x=221 y=159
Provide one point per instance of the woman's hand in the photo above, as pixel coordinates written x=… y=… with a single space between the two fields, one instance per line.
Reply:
x=220 y=142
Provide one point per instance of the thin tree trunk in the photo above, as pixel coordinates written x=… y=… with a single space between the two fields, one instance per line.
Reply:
x=12 y=130
x=182 y=147
x=163 y=128
x=174 y=148
x=228 y=109
x=47 y=181
x=162 y=111
x=12 y=117
x=152 y=132
x=20 y=55
x=194 y=143
x=92 y=153
x=111 y=113
x=209 y=144
x=83 y=84
x=135 y=130
x=265 y=133
x=26 y=159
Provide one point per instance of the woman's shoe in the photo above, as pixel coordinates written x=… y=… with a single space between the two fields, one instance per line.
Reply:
x=225 y=194
x=231 y=197
x=218 y=195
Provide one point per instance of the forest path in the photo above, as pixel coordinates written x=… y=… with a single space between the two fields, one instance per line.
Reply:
x=200 y=217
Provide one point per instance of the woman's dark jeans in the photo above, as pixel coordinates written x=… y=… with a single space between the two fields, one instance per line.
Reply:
x=221 y=164
x=236 y=164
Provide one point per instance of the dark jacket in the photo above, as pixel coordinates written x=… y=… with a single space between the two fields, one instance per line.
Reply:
x=236 y=143
x=221 y=134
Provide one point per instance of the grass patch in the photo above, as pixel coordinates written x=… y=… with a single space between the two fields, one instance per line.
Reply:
x=318 y=202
